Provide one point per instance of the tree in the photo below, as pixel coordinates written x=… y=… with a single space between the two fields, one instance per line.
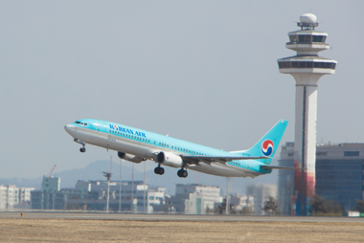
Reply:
x=247 y=211
x=271 y=206
x=221 y=208
x=359 y=206
x=319 y=206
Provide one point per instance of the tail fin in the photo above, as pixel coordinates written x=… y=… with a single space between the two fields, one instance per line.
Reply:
x=268 y=144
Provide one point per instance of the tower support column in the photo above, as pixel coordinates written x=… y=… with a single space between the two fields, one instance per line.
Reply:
x=305 y=138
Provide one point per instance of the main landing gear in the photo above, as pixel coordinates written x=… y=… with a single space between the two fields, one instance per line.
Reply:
x=159 y=170
x=182 y=173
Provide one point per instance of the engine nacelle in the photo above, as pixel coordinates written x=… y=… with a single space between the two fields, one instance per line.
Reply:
x=130 y=157
x=170 y=159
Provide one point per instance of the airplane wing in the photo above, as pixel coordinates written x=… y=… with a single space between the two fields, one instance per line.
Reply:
x=217 y=159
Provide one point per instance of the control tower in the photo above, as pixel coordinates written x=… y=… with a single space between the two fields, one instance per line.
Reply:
x=307 y=67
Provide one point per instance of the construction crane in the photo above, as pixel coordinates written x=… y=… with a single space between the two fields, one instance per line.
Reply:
x=50 y=173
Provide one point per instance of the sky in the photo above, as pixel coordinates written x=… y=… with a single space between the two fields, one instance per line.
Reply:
x=202 y=71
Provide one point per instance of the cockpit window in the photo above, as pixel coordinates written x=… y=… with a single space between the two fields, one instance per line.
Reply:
x=81 y=123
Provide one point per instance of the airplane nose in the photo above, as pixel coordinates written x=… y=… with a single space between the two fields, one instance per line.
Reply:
x=68 y=127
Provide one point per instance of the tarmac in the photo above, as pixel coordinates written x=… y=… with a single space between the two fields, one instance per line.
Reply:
x=171 y=217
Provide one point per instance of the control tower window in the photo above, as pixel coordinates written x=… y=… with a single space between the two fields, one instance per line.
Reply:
x=293 y=38
x=307 y=64
x=319 y=38
x=305 y=38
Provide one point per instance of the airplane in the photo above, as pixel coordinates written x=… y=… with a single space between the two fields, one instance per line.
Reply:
x=136 y=145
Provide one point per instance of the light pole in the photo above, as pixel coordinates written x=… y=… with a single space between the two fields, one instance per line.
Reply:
x=108 y=176
x=227 y=209
x=144 y=190
x=132 y=189
x=120 y=188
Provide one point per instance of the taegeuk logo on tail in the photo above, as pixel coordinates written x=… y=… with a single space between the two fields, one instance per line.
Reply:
x=267 y=147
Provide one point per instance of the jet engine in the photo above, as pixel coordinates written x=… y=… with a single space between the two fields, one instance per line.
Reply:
x=170 y=159
x=130 y=157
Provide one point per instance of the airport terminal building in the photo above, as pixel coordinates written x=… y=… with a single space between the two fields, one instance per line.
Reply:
x=339 y=175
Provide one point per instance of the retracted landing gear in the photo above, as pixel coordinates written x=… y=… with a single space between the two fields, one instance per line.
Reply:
x=182 y=173
x=159 y=170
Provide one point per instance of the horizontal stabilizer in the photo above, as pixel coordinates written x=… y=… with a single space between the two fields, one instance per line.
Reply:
x=219 y=159
x=279 y=167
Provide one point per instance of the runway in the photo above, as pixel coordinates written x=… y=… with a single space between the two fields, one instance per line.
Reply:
x=171 y=217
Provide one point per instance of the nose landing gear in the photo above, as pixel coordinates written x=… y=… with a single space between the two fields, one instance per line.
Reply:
x=159 y=170
x=83 y=149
